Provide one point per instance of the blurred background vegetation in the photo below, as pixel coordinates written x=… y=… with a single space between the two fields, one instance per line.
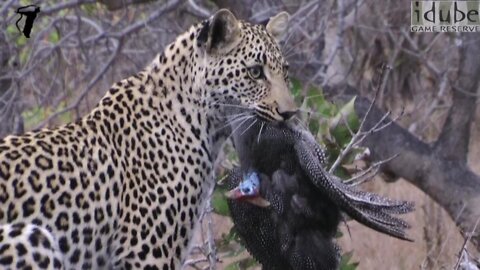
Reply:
x=335 y=48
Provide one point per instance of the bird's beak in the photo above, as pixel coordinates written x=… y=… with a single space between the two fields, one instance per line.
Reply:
x=236 y=194
x=258 y=201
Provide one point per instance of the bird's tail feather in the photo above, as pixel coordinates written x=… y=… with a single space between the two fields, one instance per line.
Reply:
x=367 y=208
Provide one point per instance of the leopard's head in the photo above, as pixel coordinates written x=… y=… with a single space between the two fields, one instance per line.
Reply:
x=244 y=66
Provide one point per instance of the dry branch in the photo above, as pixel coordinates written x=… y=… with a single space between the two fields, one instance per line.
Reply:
x=418 y=163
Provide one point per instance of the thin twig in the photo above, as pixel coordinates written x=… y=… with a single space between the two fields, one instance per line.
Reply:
x=62 y=6
x=165 y=8
x=194 y=262
x=212 y=249
x=198 y=10
x=89 y=87
x=5 y=6
x=375 y=167
x=449 y=233
x=361 y=135
x=464 y=246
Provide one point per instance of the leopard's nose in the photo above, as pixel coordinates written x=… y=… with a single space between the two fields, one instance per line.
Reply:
x=287 y=114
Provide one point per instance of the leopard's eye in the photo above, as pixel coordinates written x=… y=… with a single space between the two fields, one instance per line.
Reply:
x=256 y=72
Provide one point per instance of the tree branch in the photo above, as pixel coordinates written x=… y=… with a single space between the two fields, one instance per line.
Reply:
x=449 y=182
x=455 y=135
x=89 y=87
x=65 y=5
x=167 y=7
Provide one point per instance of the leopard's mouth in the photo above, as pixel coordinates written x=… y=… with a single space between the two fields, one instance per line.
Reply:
x=265 y=116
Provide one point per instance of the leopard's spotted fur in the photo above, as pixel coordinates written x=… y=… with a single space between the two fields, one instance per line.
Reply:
x=122 y=187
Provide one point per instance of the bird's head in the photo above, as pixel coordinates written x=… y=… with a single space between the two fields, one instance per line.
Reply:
x=249 y=191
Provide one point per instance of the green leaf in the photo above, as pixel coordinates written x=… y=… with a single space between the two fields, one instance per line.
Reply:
x=16 y=36
x=66 y=117
x=90 y=9
x=232 y=156
x=314 y=126
x=323 y=133
x=344 y=122
x=351 y=266
x=24 y=53
x=233 y=266
x=12 y=29
x=54 y=37
x=296 y=87
x=315 y=99
x=342 y=173
x=341 y=135
x=346 y=114
x=230 y=243
x=232 y=235
x=345 y=263
x=242 y=264
x=352 y=154
x=219 y=202
x=21 y=40
x=34 y=116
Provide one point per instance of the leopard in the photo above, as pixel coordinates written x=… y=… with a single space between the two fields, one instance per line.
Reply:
x=28 y=246
x=123 y=186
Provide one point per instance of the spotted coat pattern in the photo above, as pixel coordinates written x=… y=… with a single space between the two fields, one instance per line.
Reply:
x=122 y=187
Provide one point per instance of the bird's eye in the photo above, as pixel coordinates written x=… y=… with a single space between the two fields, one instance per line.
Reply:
x=246 y=190
x=256 y=72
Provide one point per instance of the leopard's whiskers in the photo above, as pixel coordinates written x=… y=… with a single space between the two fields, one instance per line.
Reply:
x=235 y=118
x=243 y=122
x=260 y=132
x=253 y=123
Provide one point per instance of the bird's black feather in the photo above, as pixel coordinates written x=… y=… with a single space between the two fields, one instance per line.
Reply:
x=297 y=231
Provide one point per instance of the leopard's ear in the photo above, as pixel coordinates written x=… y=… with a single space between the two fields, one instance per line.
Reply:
x=277 y=25
x=221 y=33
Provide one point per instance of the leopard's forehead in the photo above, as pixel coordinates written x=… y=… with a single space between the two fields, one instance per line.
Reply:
x=261 y=47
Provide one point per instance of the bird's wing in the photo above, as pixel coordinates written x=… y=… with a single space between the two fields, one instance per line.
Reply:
x=367 y=208
x=374 y=201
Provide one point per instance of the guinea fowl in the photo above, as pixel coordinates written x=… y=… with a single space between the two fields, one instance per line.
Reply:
x=294 y=233
x=305 y=203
